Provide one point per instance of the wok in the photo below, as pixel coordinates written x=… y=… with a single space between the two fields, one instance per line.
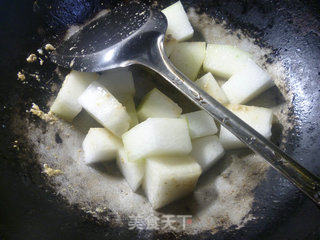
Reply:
x=33 y=205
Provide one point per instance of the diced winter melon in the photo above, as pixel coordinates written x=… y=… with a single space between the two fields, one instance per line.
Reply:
x=100 y=145
x=224 y=60
x=258 y=118
x=169 y=45
x=105 y=108
x=119 y=82
x=168 y=179
x=206 y=151
x=200 y=124
x=188 y=58
x=132 y=171
x=157 y=137
x=155 y=105
x=131 y=110
x=247 y=83
x=209 y=84
x=179 y=26
x=66 y=104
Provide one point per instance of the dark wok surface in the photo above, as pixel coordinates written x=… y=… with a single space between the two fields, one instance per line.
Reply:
x=29 y=210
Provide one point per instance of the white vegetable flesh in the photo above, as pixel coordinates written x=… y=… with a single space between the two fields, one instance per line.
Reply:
x=188 y=58
x=157 y=137
x=209 y=84
x=224 y=60
x=258 y=118
x=133 y=172
x=200 y=124
x=100 y=145
x=157 y=105
x=168 y=179
x=105 y=108
x=179 y=26
x=207 y=151
x=66 y=103
x=246 y=84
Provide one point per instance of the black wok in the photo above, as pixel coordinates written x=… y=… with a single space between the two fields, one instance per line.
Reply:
x=29 y=205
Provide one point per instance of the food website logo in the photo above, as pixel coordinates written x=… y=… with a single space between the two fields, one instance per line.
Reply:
x=161 y=222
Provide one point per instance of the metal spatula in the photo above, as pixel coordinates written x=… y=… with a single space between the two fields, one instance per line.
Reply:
x=134 y=34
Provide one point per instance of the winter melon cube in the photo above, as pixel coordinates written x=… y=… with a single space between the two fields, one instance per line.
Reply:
x=155 y=105
x=179 y=26
x=224 y=60
x=105 y=108
x=200 y=124
x=247 y=83
x=169 y=45
x=168 y=179
x=132 y=171
x=188 y=58
x=206 y=151
x=130 y=106
x=66 y=103
x=258 y=118
x=157 y=137
x=119 y=82
x=209 y=84
x=100 y=145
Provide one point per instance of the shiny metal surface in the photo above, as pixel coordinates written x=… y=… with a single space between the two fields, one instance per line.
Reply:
x=138 y=39
x=108 y=42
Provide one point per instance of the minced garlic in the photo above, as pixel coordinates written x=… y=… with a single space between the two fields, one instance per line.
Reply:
x=48 y=117
x=50 y=171
x=49 y=47
x=32 y=57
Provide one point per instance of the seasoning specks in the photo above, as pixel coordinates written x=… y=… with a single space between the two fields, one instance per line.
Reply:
x=32 y=58
x=50 y=171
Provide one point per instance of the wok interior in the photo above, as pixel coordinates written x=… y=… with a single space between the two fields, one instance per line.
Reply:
x=294 y=118
x=224 y=195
